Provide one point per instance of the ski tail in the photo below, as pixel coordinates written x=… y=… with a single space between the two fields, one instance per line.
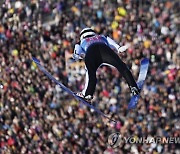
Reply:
x=140 y=82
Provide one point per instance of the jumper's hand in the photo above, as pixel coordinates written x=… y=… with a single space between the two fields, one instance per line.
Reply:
x=82 y=56
x=123 y=48
x=77 y=57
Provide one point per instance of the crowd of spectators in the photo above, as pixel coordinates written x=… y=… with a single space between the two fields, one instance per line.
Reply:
x=36 y=116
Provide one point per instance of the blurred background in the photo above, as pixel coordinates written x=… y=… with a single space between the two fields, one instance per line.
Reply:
x=36 y=116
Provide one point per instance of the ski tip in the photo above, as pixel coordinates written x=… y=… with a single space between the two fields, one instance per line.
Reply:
x=145 y=60
x=36 y=60
x=140 y=84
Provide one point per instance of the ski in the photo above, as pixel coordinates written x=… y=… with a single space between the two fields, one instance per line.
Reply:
x=140 y=82
x=69 y=91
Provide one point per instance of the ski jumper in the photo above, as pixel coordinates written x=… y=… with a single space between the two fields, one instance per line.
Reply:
x=99 y=50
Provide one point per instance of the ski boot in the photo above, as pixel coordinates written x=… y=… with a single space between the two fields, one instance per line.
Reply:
x=87 y=98
x=135 y=91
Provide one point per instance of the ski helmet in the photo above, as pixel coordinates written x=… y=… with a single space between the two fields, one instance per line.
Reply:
x=87 y=32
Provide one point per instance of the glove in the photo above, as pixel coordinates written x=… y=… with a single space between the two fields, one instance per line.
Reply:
x=77 y=57
x=123 y=48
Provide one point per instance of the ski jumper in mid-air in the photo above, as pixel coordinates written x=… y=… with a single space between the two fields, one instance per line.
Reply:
x=97 y=50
